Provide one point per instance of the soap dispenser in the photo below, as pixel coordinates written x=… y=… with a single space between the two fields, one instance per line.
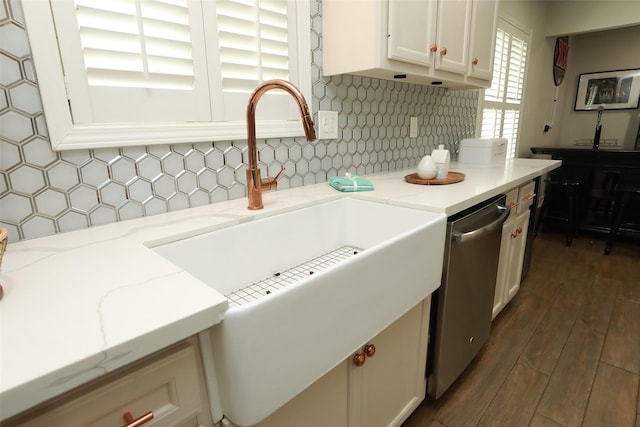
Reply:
x=441 y=158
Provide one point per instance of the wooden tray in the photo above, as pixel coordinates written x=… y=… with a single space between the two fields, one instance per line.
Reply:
x=452 y=178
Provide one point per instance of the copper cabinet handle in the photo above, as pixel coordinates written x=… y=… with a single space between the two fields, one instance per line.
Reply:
x=359 y=359
x=474 y=61
x=514 y=234
x=443 y=51
x=128 y=418
x=513 y=204
x=369 y=350
x=433 y=47
x=529 y=196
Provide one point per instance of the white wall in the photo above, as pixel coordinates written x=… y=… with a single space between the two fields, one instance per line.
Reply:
x=599 y=51
x=573 y=17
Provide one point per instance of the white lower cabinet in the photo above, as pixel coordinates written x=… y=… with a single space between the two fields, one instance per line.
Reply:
x=382 y=391
x=512 y=247
x=167 y=389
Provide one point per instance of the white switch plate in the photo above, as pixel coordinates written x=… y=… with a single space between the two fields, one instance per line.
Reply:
x=327 y=124
x=413 y=127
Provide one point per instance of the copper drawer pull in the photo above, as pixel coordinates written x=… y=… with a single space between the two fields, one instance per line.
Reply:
x=529 y=196
x=443 y=51
x=474 y=61
x=433 y=47
x=359 y=359
x=140 y=421
x=369 y=350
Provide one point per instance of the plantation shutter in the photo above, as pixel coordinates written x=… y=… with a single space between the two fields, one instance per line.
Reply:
x=133 y=60
x=502 y=104
x=256 y=42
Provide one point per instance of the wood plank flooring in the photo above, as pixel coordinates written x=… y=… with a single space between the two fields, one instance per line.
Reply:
x=564 y=352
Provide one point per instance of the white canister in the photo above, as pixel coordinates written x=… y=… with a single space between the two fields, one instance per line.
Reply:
x=441 y=157
x=427 y=168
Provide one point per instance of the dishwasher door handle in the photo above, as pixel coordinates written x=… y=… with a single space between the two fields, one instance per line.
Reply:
x=474 y=234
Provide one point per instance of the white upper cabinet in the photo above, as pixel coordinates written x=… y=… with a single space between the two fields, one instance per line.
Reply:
x=439 y=42
x=484 y=21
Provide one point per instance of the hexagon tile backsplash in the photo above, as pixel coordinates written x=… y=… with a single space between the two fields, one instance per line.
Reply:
x=43 y=192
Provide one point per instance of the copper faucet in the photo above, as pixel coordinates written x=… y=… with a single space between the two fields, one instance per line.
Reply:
x=255 y=184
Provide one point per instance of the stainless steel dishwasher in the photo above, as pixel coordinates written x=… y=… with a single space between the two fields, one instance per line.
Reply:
x=461 y=310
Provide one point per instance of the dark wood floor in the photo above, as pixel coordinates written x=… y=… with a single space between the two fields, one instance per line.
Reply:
x=564 y=352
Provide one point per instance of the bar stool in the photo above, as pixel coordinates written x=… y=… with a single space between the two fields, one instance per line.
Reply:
x=627 y=191
x=569 y=190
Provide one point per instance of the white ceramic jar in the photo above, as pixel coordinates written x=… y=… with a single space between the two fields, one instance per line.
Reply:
x=427 y=168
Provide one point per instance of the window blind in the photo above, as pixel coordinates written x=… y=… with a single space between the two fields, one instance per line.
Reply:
x=502 y=103
x=136 y=43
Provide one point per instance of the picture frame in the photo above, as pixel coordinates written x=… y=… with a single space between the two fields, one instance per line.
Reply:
x=613 y=90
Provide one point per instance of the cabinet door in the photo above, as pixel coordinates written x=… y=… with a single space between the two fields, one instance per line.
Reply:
x=452 y=38
x=517 y=255
x=391 y=384
x=411 y=31
x=322 y=404
x=503 y=265
x=484 y=19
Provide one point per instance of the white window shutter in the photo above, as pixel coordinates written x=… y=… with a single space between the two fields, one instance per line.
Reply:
x=133 y=60
x=257 y=40
x=502 y=103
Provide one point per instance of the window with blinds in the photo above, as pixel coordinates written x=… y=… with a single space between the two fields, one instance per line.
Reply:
x=169 y=64
x=502 y=103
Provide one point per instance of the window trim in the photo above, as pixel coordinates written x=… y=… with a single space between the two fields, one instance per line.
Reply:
x=65 y=135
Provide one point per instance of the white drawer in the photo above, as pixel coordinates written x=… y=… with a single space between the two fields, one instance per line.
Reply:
x=526 y=195
x=512 y=200
x=169 y=386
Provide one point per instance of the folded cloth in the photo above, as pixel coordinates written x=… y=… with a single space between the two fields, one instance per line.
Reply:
x=350 y=182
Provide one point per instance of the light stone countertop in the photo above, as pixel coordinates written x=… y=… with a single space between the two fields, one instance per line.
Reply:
x=80 y=304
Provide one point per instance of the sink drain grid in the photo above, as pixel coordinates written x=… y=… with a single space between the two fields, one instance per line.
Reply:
x=284 y=278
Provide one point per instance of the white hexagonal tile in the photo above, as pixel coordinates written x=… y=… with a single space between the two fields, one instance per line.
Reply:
x=83 y=198
x=73 y=221
x=130 y=210
x=102 y=215
x=26 y=179
x=149 y=167
x=178 y=201
x=214 y=159
x=198 y=198
x=38 y=226
x=15 y=207
x=194 y=161
x=113 y=194
x=76 y=157
x=38 y=152
x=15 y=126
x=63 y=176
x=134 y=153
x=107 y=155
x=123 y=170
x=173 y=164
x=164 y=186
x=94 y=173
x=226 y=176
x=139 y=190
x=9 y=155
x=26 y=97
x=154 y=206
x=219 y=194
x=187 y=182
x=9 y=70
x=207 y=179
x=233 y=156
x=14 y=40
x=51 y=202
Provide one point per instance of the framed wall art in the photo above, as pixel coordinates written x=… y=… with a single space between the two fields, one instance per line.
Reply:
x=613 y=90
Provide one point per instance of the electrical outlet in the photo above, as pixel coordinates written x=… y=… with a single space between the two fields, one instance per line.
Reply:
x=327 y=124
x=413 y=127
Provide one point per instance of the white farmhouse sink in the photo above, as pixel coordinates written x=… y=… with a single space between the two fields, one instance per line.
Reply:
x=268 y=350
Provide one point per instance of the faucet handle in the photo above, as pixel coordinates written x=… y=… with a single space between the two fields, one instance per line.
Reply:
x=268 y=184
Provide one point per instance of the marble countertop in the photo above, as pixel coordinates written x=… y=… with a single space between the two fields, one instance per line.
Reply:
x=80 y=304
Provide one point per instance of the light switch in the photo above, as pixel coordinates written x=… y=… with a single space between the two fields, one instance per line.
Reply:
x=413 y=127
x=327 y=124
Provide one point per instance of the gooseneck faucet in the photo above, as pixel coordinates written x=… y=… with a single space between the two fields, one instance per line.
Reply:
x=255 y=184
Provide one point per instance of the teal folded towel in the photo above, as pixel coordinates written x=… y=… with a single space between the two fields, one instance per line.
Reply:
x=350 y=182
